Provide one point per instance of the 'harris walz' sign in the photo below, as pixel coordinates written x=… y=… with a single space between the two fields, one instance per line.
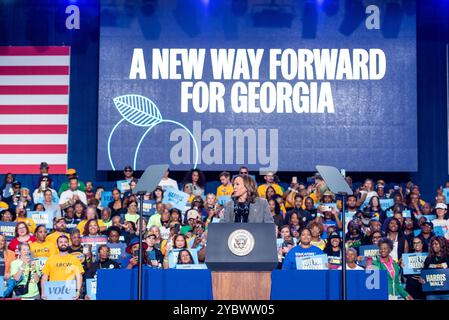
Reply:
x=435 y=280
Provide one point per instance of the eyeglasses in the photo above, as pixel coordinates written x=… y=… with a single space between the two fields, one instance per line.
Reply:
x=127 y=170
x=243 y=172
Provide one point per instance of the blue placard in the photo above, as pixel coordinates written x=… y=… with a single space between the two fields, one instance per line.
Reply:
x=60 y=290
x=316 y=262
x=332 y=205
x=369 y=251
x=173 y=256
x=2 y=286
x=123 y=186
x=8 y=229
x=386 y=203
x=439 y=231
x=223 y=199
x=406 y=213
x=118 y=253
x=176 y=198
x=91 y=288
x=106 y=197
x=413 y=262
x=446 y=194
x=416 y=232
x=435 y=280
x=149 y=208
x=42 y=217
x=216 y=220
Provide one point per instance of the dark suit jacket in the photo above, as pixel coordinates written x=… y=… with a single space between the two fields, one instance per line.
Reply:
x=259 y=211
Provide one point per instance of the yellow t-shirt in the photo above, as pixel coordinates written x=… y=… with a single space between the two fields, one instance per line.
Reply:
x=29 y=222
x=225 y=190
x=82 y=223
x=62 y=267
x=53 y=238
x=262 y=190
x=43 y=250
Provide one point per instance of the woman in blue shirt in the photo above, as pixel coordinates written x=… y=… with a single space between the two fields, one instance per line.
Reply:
x=305 y=248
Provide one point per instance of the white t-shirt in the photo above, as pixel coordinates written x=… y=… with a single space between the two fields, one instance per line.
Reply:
x=348 y=268
x=67 y=195
x=168 y=183
x=444 y=224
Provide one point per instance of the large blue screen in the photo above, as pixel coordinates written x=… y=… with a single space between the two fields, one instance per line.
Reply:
x=273 y=85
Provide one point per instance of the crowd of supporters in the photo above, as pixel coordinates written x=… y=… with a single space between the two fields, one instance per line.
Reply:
x=85 y=234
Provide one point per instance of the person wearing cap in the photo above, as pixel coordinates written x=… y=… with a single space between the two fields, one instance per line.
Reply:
x=167 y=182
x=154 y=254
x=71 y=173
x=328 y=216
x=133 y=250
x=38 y=194
x=63 y=267
x=128 y=173
x=380 y=189
x=70 y=196
x=269 y=181
x=333 y=249
x=426 y=234
x=440 y=221
x=43 y=168
x=59 y=229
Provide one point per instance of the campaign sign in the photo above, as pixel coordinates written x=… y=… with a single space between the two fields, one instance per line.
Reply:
x=435 y=280
x=2 y=286
x=446 y=194
x=439 y=231
x=386 y=203
x=173 y=256
x=123 y=186
x=223 y=199
x=91 y=288
x=106 y=197
x=93 y=242
x=369 y=251
x=118 y=253
x=332 y=205
x=176 y=198
x=8 y=229
x=405 y=213
x=216 y=220
x=42 y=217
x=149 y=208
x=316 y=262
x=60 y=290
x=413 y=262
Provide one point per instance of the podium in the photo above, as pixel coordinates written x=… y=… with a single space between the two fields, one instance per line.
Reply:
x=241 y=257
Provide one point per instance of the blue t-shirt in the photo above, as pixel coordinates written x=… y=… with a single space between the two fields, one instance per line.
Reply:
x=298 y=251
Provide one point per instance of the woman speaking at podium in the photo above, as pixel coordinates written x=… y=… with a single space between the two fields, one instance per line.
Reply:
x=246 y=205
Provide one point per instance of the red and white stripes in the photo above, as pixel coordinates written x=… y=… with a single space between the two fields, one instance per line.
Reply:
x=34 y=99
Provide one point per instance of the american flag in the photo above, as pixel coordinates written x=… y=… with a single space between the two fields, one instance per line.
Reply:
x=34 y=108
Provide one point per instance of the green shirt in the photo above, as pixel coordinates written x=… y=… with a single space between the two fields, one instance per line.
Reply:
x=155 y=220
x=131 y=217
x=33 y=289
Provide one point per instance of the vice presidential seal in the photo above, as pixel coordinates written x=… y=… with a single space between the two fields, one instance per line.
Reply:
x=241 y=242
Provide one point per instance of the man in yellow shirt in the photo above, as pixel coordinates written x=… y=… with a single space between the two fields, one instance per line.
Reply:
x=91 y=213
x=226 y=188
x=63 y=267
x=269 y=178
x=59 y=227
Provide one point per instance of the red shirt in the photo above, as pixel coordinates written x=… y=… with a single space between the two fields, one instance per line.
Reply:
x=13 y=245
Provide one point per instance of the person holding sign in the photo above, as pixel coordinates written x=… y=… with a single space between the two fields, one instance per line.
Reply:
x=103 y=263
x=27 y=274
x=245 y=205
x=412 y=282
x=305 y=248
x=351 y=258
x=440 y=221
x=438 y=258
x=386 y=262
x=63 y=267
x=185 y=257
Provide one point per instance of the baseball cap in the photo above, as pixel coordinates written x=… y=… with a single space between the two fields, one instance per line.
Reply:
x=70 y=172
x=429 y=223
x=128 y=168
x=334 y=235
x=44 y=165
x=193 y=214
x=441 y=206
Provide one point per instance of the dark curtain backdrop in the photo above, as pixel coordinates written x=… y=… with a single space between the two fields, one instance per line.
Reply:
x=43 y=23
